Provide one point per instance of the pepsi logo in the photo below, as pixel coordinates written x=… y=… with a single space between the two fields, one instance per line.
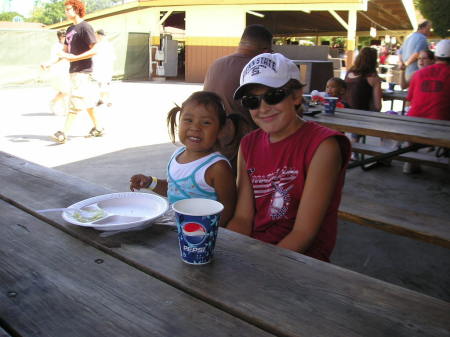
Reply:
x=194 y=233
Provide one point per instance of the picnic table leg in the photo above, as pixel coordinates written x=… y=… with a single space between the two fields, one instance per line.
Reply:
x=388 y=155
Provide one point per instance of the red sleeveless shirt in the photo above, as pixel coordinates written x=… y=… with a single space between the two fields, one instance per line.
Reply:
x=277 y=172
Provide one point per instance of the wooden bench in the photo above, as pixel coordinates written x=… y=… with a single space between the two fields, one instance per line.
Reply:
x=412 y=157
x=396 y=220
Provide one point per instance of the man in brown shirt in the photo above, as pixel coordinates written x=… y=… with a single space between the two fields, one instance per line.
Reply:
x=223 y=79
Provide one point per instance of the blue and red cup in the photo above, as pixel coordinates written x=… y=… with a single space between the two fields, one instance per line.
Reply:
x=198 y=223
x=330 y=104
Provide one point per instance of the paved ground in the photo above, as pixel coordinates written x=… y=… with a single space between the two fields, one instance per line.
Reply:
x=137 y=141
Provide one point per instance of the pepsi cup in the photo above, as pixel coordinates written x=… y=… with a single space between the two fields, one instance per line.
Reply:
x=198 y=223
x=391 y=86
x=330 y=104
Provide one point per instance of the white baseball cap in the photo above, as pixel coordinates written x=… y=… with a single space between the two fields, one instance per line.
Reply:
x=271 y=70
x=443 y=49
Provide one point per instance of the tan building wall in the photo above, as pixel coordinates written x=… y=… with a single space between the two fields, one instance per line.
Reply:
x=211 y=32
x=141 y=21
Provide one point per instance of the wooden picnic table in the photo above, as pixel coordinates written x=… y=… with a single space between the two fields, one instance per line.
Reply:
x=393 y=95
x=374 y=213
x=57 y=279
x=415 y=130
x=378 y=124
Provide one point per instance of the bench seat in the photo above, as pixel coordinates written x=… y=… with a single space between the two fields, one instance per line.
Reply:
x=412 y=157
x=397 y=220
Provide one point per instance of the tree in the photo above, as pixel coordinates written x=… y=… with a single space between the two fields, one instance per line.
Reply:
x=49 y=12
x=8 y=16
x=95 y=5
x=53 y=11
x=438 y=12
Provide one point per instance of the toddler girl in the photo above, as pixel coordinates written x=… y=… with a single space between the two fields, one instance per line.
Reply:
x=196 y=170
x=336 y=88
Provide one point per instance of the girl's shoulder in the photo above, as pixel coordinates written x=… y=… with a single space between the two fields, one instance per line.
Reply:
x=373 y=78
x=220 y=167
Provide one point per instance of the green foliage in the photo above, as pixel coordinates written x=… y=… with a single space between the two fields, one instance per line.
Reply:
x=438 y=12
x=95 y=5
x=49 y=12
x=338 y=41
x=53 y=11
x=8 y=16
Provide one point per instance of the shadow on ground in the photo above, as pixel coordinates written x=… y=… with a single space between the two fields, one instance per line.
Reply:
x=409 y=263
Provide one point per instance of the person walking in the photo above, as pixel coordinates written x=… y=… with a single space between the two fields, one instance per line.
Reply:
x=79 y=49
x=103 y=62
x=59 y=75
x=223 y=78
x=409 y=52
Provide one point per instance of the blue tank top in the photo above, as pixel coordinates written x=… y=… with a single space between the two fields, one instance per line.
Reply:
x=188 y=187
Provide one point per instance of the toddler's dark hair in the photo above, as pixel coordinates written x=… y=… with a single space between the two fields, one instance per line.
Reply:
x=339 y=82
x=209 y=100
x=61 y=33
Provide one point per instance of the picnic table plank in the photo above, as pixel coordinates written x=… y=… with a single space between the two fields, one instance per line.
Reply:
x=3 y=333
x=394 y=94
x=54 y=285
x=412 y=157
x=407 y=222
x=428 y=134
x=386 y=116
x=285 y=293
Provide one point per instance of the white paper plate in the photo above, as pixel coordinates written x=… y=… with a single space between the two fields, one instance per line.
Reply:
x=145 y=207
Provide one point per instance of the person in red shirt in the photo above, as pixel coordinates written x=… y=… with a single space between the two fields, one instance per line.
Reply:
x=430 y=87
x=429 y=92
x=290 y=171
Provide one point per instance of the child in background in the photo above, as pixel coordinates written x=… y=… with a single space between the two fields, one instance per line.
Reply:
x=426 y=58
x=290 y=171
x=336 y=88
x=196 y=170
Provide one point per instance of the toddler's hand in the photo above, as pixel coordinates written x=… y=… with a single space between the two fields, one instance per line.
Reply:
x=139 y=181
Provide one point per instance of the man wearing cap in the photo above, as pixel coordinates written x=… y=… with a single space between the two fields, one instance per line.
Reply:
x=223 y=79
x=290 y=171
x=429 y=91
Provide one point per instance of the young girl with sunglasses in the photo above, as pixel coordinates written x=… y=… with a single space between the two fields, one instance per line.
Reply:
x=290 y=171
x=196 y=170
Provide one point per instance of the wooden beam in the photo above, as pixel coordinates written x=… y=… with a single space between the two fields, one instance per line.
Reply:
x=339 y=19
x=164 y=18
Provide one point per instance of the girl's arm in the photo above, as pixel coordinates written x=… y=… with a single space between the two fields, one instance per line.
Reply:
x=83 y=56
x=221 y=177
x=139 y=181
x=242 y=219
x=404 y=84
x=375 y=82
x=320 y=185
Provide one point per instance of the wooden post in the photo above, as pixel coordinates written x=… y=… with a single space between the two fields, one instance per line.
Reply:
x=351 y=38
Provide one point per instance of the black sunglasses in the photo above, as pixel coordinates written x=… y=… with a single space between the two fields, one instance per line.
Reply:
x=271 y=97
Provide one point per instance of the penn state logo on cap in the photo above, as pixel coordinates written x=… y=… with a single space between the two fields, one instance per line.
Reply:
x=271 y=70
x=194 y=233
